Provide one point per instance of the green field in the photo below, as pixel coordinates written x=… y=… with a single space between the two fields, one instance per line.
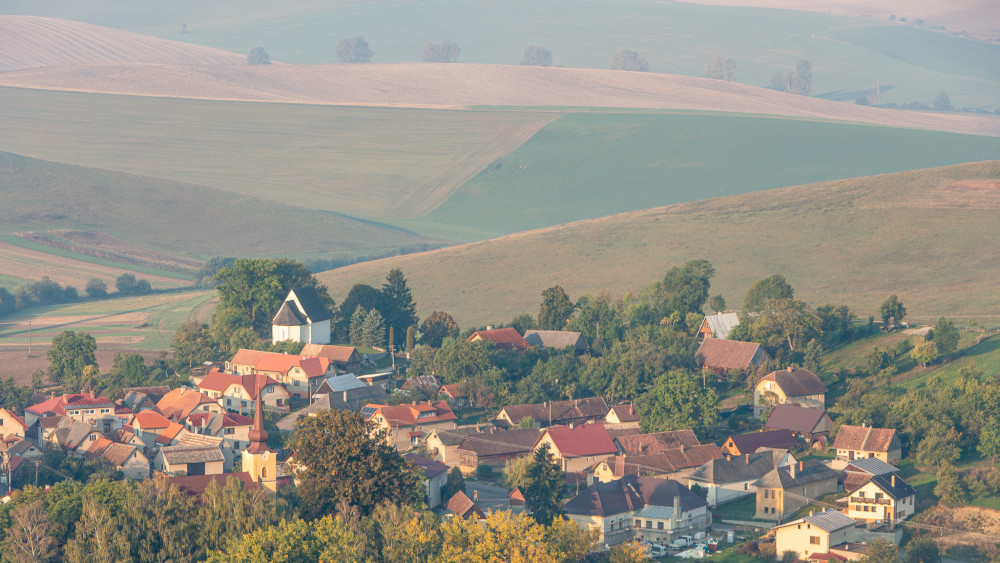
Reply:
x=180 y=218
x=368 y=162
x=926 y=235
x=674 y=36
x=588 y=165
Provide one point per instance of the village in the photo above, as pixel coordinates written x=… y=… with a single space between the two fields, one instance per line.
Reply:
x=804 y=487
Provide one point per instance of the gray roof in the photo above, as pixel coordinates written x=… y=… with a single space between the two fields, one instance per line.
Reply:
x=288 y=315
x=795 y=418
x=722 y=323
x=733 y=469
x=345 y=382
x=312 y=303
x=830 y=520
x=557 y=339
x=430 y=467
x=455 y=436
x=798 y=474
x=175 y=455
x=631 y=494
x=874 y=466
x=893 y=485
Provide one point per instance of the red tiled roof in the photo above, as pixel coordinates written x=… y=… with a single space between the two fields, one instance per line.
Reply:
x=727 y=354
x=149 y=420
x=333 y=353
x=246 y=357
x=179 y=403
x=454 y=390
x=228 y=419
x=625 y=413
x=799 y=382
x=583 y=440
x=283 y=363
x=410 y=414
x=505 y=338
x=73 y=400
x=648 y=444
x=864 y=438
x=169 y=434
x=196 y=484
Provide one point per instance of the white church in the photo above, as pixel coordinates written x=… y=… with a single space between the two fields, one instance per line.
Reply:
x=302 y=318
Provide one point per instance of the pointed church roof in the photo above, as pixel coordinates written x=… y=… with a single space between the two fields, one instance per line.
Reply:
x=288 y=315
x=258 y=436
x=312 y=303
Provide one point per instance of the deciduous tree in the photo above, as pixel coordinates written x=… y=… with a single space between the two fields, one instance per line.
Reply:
x=924 y=352
x=767 y=289
x=719 y=68
x=456 y=482
x=354 y=50
x=945 y=336
x=535 y=55
x=555 y=309
x=892 y=309
x=677 y=401
x=444 y=52
x=96 y=288
x=436 y=327
x=258 y=56
x=625 y=59
x=70 y=353
x=28 y=539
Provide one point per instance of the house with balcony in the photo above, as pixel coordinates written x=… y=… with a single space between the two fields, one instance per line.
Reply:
x=883 y=500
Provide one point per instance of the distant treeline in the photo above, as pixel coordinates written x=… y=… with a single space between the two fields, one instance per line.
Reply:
x=48 y=292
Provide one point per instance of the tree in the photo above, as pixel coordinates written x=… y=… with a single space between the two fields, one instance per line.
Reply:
x=128 y=370
x=192 y=345
x=892 y=309
x=250 y=286
x=70 y=353
x=515 y=471
x=922 y=550
x=96 y=288
x=544 y=481
x=293 y=541
x=717 y=303
x=802 y=84
x=258 y=56
x=399 y=310
x=924 y=352
x=410 y=340
x=535 y=55
x=28 y=538
x=360 y=294
x=445 y=52
x=555 y=309
x=989 y=438
x=788 y=321
x=354 y=50
x=675 y=401
x=357 y=322
x=373 y=330
x=230 y=510
x=456 y=483
x=523 y=323
x=345 y=457
x=627 y=552
x=720 y=69
x=881 y=551
x=789 y=556
x=942 y=102
x=625 y=59
x=99 y=535
x=945 y=336
x=436 y=327
x=767 y=289
x=949 y=486
x=813 y=356
x=127 y=284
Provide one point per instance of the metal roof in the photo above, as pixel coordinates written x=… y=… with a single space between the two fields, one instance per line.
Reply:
x=830 y=520
x=722 y=323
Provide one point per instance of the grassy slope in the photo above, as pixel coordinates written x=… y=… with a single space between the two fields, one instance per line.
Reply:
x=175 y=217
x=357 y=161
x=675 y=37
x=926 y=235
x=591 y=165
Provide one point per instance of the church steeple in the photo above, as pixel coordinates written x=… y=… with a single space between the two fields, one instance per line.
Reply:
x=258 y=436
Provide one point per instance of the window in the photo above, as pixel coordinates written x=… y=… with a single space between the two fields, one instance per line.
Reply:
x=746 y=486
x=814 y=540
x=230 y=430
x=878 y=496
x=659 y=525
x=861 y=494
x=766 y=492
x=649 y=523
x=263 y=472
x=638 y=523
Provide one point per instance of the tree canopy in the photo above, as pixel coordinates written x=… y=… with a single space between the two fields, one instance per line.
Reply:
x=535 y=55
x=555 y=309
x=399 y=310
x=767 y=289
x=625 y=59
x=70 y=353
x=677 y=401
x=436 y=327
x=258 y=56
x=444 y=52
x=543 y=480
x=354 y=50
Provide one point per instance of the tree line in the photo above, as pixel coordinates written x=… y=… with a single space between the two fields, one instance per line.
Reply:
x=49 y=292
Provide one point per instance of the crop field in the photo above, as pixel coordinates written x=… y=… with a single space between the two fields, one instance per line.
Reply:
x=173 y=218
x=358 y=161
x=675 y=37
x=926 y=235
x=590 y=165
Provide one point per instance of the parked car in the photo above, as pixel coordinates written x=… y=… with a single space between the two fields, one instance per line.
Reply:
x=682 y=542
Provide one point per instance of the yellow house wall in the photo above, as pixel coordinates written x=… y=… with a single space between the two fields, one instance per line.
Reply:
x=898 y=510
x=10 y=427
x=795 y=537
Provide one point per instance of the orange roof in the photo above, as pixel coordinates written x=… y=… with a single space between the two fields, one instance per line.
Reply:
x=422 y=413
x=454 y=390
x=333 y=353
x=59 y=404
x=219 y=381
x=98 y=446
x=727 y=354
x=505 y=338
x=169 y=434
x=583 y=440
x=180 y=402
x=283 y=363
x=148 y=420
x=246 y=357
x=865 y=438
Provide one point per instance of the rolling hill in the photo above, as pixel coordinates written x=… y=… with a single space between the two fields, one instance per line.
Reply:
x=927 y=235
x=33 y=42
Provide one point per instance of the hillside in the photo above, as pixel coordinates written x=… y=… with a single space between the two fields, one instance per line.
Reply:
x=926 y=235
x=675 y=37
x=178 y=218
x=33 y=42
x=465 y=85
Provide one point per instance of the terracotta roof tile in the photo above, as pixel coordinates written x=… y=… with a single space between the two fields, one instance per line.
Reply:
x=799 y=382
x=583 y=440
x=181 y=402
x=505 y=338
x=197 y=484
x=645 y=444
x=342 y=354
x=727 y=354
x=795 y=418
x=864 y=438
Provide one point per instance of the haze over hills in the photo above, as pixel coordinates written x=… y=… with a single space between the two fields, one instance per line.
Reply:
x=927 y=235
x=32 y=42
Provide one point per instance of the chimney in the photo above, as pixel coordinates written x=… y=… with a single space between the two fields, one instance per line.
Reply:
x=894 y=480
x=619 y=465
x=802 y=466
x=630 y=409
x=677 y=511
x=748 y=459
x=729 y=457
x=489 y=327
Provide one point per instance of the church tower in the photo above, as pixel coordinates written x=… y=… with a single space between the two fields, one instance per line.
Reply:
x=258 y=460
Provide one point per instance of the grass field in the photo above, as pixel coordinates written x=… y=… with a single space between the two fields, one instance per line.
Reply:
x=925 y=235
x=588 y=165
x=357 y=161
x=177 y=218
x=675 y=37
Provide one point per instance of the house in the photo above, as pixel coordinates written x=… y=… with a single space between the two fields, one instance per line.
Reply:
x=815 y=534
x=859 y=442
x=742 y=444
x=859 y=471
x=577 y=448
x=180 y=403
x=13 y=445
x=237 y=392
x=407 y=424
x=884 y=499
x=422 y=386
x=670 y=463
x=74 y=436
x=84 y=407
x=644 y=508
x=245 y=361
x=461 y=506
x=504 y=338
x=124 y=457
x=147 y=426
x=455 y=393
x=805 y=423
x=718 y=325
x=792 y=385
x=573 y=411
x=495 y=448
x=347 y=392
x=172 y=435
x=443 y=443
x=784 y=490
x=190 y=460
x=731 y=477
x=381 y=379
x=300 y=376
x=345 y=358
x=646 y=444
x=558 y=340
x=231 y=427
x=141 y=398
x=622 y=416
x=435 y=477
x=724 y=355
x=11 y=425
x=302 y=317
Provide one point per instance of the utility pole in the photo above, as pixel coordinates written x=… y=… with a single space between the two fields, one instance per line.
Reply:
x=29 y=338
